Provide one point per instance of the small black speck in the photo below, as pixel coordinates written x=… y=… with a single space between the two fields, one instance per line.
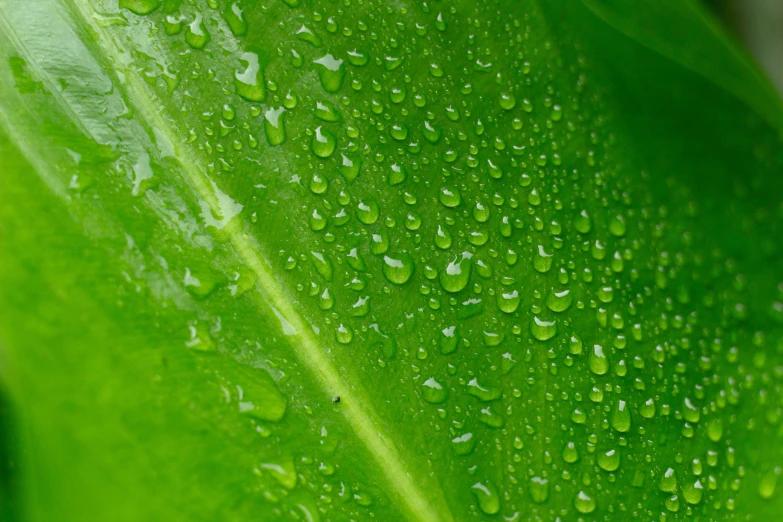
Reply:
x=336 y=398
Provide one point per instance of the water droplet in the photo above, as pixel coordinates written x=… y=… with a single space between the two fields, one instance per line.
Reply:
x=559 y=301
x=575 y=345
x=324 y=142
x=349 y=167
x=584 y=503
x=542 y=261
x=487 y=497
x=617 y=226
x=457 y=273
x=326 y=301
x=491 y=418
x=358 y=58
x=397 y=175
x=398 y=132
x=331 y=71
x=692 y=493
x=668 y=482
x=344 y=334
x=583 y=223
x=486 y=394
x=449 y=196
x=397 y=94
x=715 y=430
x=464 y=444
x=647 y=409
x=325 y=111
x=274 y=126
x=508 y=101
x=355 y=260
x=621 y=417
x=379 y=243
x=200 y=284
x=322 y=265
x=448 y=340
x=508 y=302
x=539 y=490
x=361 y=307
x=431 y=133
x=597 y=361
x=235 y=18
x=433 y=392
x=197 y=35
x=542 y=330
x=398 y=269
x=481 y=212
x=690 y=412
x=769 y=482
x=608 y=460
x=442 y=238
x=140 y=7
x=317 y=221
x=368 y=212
x=306 y=34
x=570 y=454
x=283 y=471
x=250 y=82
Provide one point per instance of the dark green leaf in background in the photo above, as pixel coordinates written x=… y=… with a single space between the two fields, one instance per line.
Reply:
x=534 y=248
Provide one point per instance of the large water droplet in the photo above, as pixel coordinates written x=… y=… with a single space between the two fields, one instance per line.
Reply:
x=621 y=417
x=508 y=302
x=457 y=273
x=140 y=7
x=539 y=489
x=331 y=71
x=449 y=196
x=584 y=503
x=597 y=361
x=559 y=301
x=250 y=82
x=368 y=211
x=464 y=444
x=324 y=142
x=608 y=460
x=486 y=394
x=197 y=35
x=542 y=330
x=487 y=497
x=274 y=126
x=449 y=340
x=398 y=268
x=433 y=391
x=668 y=482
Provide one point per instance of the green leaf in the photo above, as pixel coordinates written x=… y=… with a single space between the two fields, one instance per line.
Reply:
x=349 y=261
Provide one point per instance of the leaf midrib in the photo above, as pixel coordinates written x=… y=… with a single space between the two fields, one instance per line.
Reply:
x=407 y=493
